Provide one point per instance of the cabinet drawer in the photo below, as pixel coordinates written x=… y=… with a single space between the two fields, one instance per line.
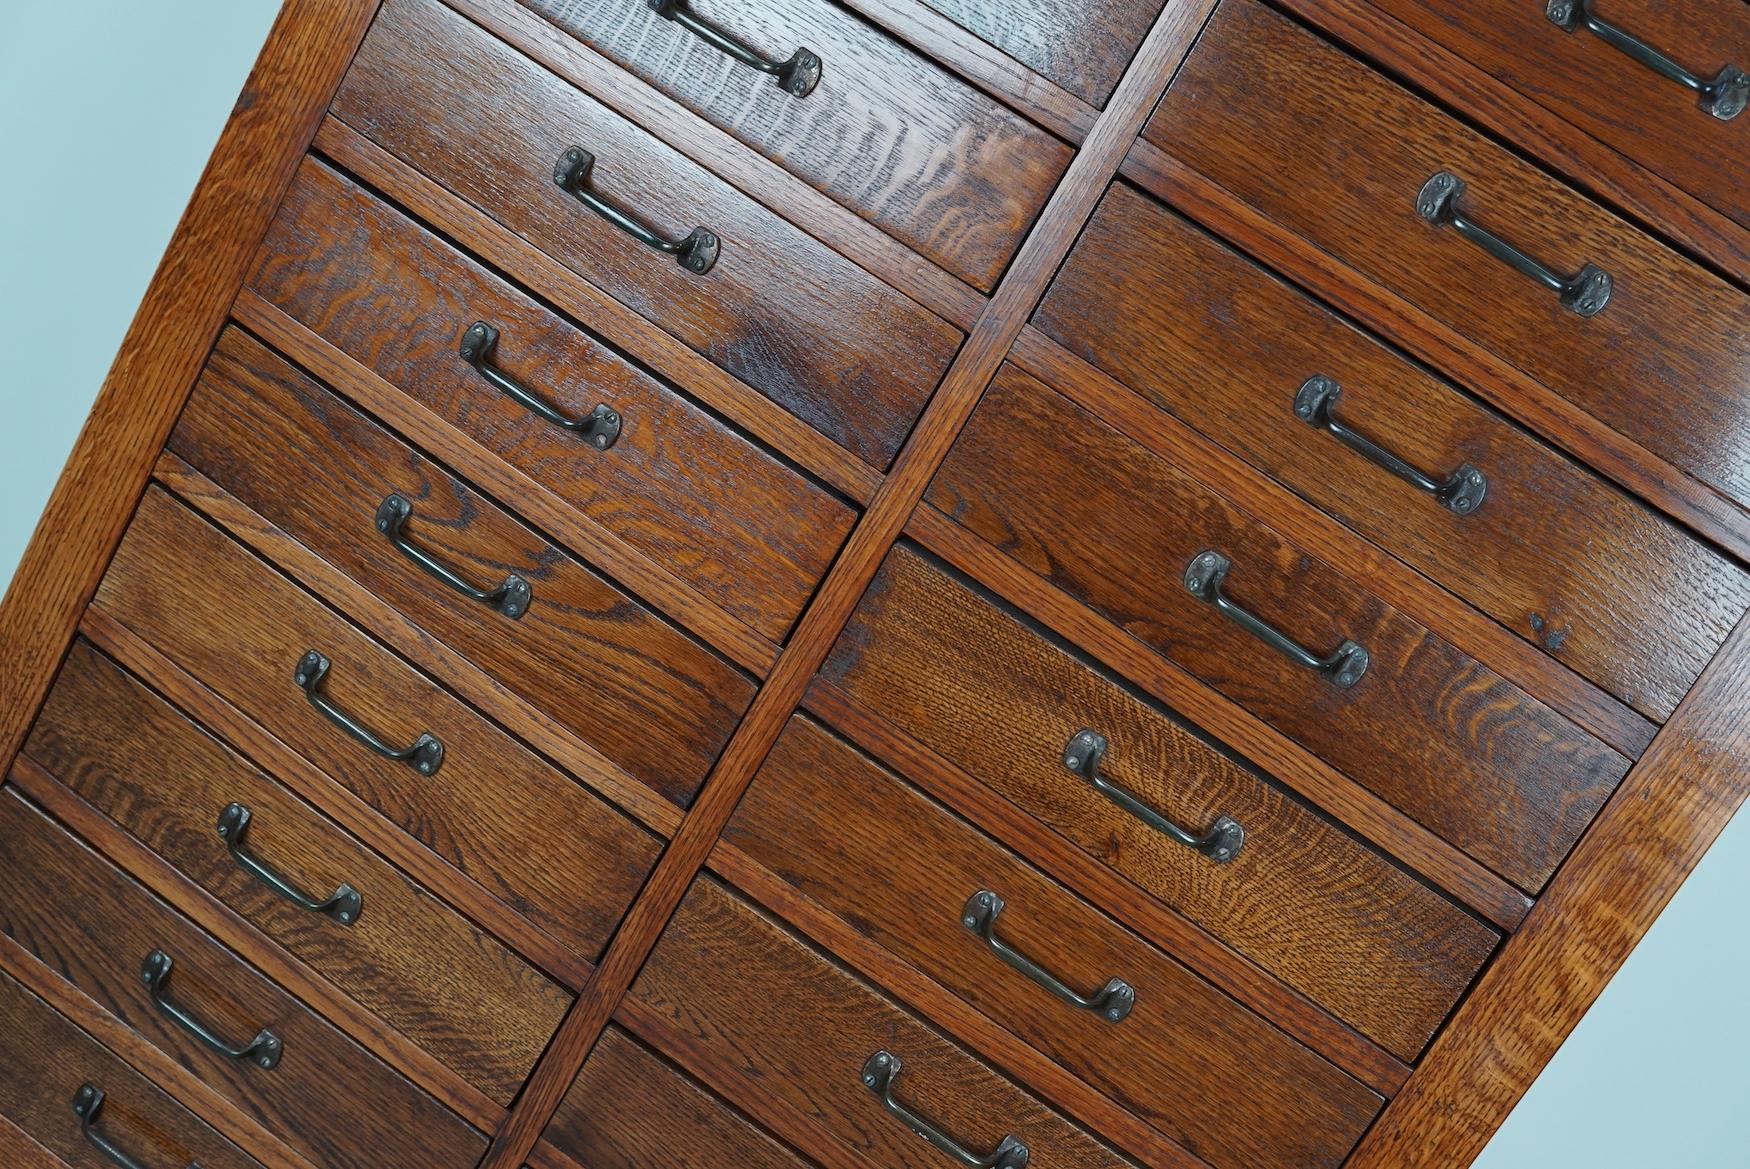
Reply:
x=727 y=518
x=1427 y=727
x=778 y=309
x=908 y=873
x=645 y=694
x=1665 y=362
x=45 y=1061
x=1552 y=552
x=323 y=1095
x=1657 y=121
x=742 y=990
x=395 y=949
x=923 y=155
x=628 y=1109
x=1083 y=47
x=1318 y=909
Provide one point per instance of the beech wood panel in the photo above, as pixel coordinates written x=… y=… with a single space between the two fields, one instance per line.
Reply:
x=900 y=868
x=1560 y=557
x=650 y=698
x=778 y=310
x=408 y=958
x=529 y=833
x=326 y=1097
x=1082 y=47
x=46 y=1060
x=1665 y=363
x=1304 y=900
x=730 y=520
x=926 y=157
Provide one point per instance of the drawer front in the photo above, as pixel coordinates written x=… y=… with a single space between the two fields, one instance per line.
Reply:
x=906 y=872
x=324 y=1096
x=44 y=1062
x=1318 y=909
x=1083 y=47
x=1428 y=728
x=778 y=309
x=628 y=1109
x=521 y=828
x=402 y=954
x=1555 y=554
x=745 y=991
x=730 y=520
x=645 y=694
x=1667 y=360
x=1657 y=121
x=924 y=156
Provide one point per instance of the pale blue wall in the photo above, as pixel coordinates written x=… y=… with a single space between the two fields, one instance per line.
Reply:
x=112 y=107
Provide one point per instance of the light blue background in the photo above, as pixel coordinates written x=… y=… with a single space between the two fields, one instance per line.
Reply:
x=112 y=108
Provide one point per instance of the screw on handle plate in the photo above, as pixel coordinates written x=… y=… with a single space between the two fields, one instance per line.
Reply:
x=87 y=1105
x=881 y=1069
x=1082 y=756
x=264 y=1050
x=1111 y=1002
x=696 y=253
x=1461 y=492
x=510 y=598
x=796 y=75
x=600 y=427
x=343 y=905
x=1724 y=96
x=1342 y=667
x=425 y=754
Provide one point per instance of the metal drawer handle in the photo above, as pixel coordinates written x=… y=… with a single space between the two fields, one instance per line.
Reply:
x=1723 y=97
x=696 y=253
x=1343 y=666
x=797 y=76
x=510 y=598
x=1111 y=1002
x=343 y=905
x=1461 y=492
x=600 y=426
x=879 y=1072
x=1082 y=755
x=264 y=1050
x=425 y=754
x=1586 y=292
x=87 y=1103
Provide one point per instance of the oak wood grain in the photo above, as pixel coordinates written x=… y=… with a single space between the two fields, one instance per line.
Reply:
x=21 y=1149
x=1082 y=47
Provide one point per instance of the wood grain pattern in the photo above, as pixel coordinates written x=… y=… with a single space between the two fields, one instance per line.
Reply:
x=1302 y=899
x=678 y=485
x=778 y=310
x=22 y=1151
x=899 y=868
x=47 y=1059
x=949 y=172
x=306 y=51
x=649 y=697
x=1563 y=559
x=1082 y=47
x=1664 y=363
x=93 y=926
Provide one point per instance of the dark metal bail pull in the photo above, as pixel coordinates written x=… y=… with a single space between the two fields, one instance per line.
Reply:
x=696 y=253
x=87 y=1105
x=425 y=754
x=1724 y=96
x=1342 y=667
x=263 y=1051
x=1112 y=1002
x=1461 y=492
x=510 y=598
x=1082 y=756
x=881 y=1069
x=600 y=427
x=796 y=75
x=343 y=905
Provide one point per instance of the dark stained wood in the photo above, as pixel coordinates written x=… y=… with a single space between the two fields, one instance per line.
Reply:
x=900 y=868
x=184 y=307
x=779 y=310
x=528 y=833
x=1304 y=900
x=46 y=1059
x=886 y=133
x=1084 y=47
x=1429 y=728
x=22 y=1151
x=1563 y=559
x=652 y=699
x=408 y=958
x=1665 y=363
x=1644 y=844
x=733 y=522
x=327 y=1098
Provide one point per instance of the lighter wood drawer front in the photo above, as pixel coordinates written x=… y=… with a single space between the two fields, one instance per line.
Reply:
x=1667 y=360
x=1322 y=911
x=730 y=520
x=403 y=955
x=1557 y=555
x=742 y=991
x=45 y=1061
x=778 y=309
x=650 y=698
x=324 y=1096
x=628 y=1109
x=915 y=150
x=1083 y=47
x=1658 y=122
x=1185 y=1057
